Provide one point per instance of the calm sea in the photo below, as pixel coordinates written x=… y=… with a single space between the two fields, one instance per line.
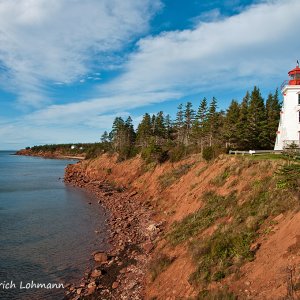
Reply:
x=47 y=229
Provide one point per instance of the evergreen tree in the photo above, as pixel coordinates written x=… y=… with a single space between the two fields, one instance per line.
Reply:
x=273 y=116
x=257 y=121
x=116 y=133
x=160 y=128
x=144 y=131
x=189 y=116
x=179 y=124
x=212 y=120
x=202 y=111
x=169 y=127
x=105 y=137
x=153 y=124
x=199 y=129
x=243 y=132
x=230 y=130
x=249 y=125
x=130 y=133
x=123 y=137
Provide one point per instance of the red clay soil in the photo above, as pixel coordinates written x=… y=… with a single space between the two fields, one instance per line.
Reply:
x=277 y=263
x=269 y=276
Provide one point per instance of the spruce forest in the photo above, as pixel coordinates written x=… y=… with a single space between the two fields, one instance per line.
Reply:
x=251 y=124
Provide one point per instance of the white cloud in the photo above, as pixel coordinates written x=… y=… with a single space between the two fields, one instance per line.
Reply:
x=93 y=111
x=208 y=16
x=42 y=40
x=257 y=46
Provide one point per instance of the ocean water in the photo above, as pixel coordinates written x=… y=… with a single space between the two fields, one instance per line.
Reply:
x=47 y=229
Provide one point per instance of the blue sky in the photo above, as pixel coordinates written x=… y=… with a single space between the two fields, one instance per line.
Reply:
x=69 y=67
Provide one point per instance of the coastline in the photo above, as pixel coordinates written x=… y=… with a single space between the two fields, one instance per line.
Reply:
x=142 y=202
x=120 y=273
x=49 y=155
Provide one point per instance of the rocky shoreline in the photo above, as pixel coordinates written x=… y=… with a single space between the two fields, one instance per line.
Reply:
x=120 y=273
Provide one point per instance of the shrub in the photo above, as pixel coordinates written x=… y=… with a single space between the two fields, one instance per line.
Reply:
x=289 y=177
x=208 y=153
x=94 y=152
x=154 y=153
x=126 y=153
x=177 y=153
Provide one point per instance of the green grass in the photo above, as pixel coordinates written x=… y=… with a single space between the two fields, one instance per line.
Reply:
x=289 y=177
x=217 y=256
x=267 y=156
x=215 y=207
x=229 y=245
x=200 y=171
x=220 y=179
x=171 y=177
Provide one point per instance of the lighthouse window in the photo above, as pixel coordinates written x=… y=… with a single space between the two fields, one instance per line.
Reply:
x=299 y=116
x=298 y=99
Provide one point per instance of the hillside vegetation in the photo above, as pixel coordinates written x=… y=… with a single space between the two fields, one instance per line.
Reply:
x=60 y=150
x=229 y=223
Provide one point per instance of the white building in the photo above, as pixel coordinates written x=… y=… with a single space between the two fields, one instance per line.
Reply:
x=289 y=124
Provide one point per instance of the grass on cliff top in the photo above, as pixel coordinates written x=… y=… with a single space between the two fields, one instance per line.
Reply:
x=267 y=156
x=228 y=247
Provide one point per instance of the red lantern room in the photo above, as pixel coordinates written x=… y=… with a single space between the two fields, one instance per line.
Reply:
x=294 y=76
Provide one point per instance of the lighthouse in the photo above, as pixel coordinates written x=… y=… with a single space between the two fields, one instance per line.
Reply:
x=289 y=125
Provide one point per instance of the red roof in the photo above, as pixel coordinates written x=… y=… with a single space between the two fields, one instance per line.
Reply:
x=295 y=71
x=295 y=76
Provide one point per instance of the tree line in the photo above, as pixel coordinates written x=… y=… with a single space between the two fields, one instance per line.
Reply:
x=251 y=124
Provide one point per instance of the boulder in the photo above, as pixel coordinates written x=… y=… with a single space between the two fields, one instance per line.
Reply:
x=100 y=257
x=152 y=228
x=91 y=284
x=91 y=290
x=96 y=273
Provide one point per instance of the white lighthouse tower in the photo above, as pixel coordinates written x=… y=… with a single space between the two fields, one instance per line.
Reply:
x=289 y=124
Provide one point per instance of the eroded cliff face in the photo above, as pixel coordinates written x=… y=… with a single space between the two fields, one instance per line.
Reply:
x=227 y=227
